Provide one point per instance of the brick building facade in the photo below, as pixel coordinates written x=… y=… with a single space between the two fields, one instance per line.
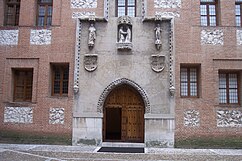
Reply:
x=156 y=72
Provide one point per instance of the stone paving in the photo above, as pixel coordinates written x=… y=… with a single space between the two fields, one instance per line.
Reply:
x=23 y=152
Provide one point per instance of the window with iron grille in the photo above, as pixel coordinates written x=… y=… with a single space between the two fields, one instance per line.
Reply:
x=23 y=80
x=44 y=13
x=238 y=12
x=60 y=78
x=12 y=9
x=126 y=7
x=208 y=12
x=189 y=81
x=228 y=88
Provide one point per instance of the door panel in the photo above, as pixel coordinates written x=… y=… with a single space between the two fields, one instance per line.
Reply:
x=131 y=109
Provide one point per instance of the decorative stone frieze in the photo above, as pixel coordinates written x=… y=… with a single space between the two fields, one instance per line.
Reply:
x=161 y=15
x=157 y=63
x=116 y=83
x=212 y=37
x=90 y=62
x=77 y=56
x=82 y=15
x=191 y=118
x=9 y=37
x=56 y=115
x=40 y=37
x=83 y=3
x=229 y=118
x=239 y=37
x=18 y=115
x=167 y=3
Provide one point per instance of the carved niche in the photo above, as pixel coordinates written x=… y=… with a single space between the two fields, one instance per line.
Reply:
x=124 y=40
x=157 y=63
x=90 y=62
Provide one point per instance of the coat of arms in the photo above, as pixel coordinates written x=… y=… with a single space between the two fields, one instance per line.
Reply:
x=90 y=62
x=157 y=62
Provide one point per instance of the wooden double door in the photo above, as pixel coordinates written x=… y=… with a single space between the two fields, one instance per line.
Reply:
x=123 y=116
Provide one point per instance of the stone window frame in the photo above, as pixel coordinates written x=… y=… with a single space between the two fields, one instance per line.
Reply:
x=15 y=14
x=46 y=5
x=61 y=67
x=126 y=7
x=227 y=72
x=238 y=16
x=23 y=83
x=209 y=3
x=198 y=71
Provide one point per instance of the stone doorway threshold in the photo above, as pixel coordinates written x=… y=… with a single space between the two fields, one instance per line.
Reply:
x=122 y=144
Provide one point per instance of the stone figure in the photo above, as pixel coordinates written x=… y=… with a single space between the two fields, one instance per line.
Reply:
x=128 y=36
x=124 y=36
x=158 y=31
x=92 y=35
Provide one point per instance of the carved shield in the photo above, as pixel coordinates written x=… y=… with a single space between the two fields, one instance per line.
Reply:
x=157 y=62
x=90 y=62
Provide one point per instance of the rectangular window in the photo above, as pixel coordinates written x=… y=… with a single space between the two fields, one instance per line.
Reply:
x=189 y=81
x=44 y=13
x=23 y=80
x=208 y=12
x=228 y=88
x=126 y=7
x=238 y=12
x=12 y=8
x=60 y=78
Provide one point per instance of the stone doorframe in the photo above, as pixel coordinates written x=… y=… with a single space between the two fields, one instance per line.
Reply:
x=119 y=82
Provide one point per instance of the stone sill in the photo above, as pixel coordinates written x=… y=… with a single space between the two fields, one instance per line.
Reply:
x=160 y=116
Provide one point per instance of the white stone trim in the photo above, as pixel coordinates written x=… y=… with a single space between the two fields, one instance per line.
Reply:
x=9 y=37
x=57 y=115
x=167 y=3
x=229 y=118
x=40 y=37
x=18 y=115
x=83 y=15
x=212 y=37
x=83 y=3
x=191 y=118
x=167 y=14
x=239 y=36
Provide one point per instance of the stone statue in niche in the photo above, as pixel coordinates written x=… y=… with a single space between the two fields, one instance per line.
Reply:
x=124 y=34
x=158 y=32
x=92 y=35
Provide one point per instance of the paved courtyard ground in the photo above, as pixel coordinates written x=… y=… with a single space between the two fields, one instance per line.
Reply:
x=24 y=152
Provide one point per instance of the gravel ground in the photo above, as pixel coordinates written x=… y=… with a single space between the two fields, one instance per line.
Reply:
x=23 y=152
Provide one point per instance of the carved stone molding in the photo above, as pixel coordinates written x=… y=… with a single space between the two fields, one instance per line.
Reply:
x=165 y=15
x=229 y=118
x=191 y=118
x=9 y=37
x=172 y=88
x=56 y=116
x=40 y=37
x=119 y=82
x=83 y=3
x=77 y=56
x=18 y=115
x=157 y=63
x=239 y=37
x=106 y=9
x=167 y=3
x=90 y=62
x=124 y=46
x=212 y=37
x=125 y=20
x=82 y=15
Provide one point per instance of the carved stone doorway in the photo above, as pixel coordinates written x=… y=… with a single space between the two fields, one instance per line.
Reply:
x=123 y=116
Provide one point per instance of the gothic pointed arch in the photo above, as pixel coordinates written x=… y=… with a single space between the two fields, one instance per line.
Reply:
x=119 y=82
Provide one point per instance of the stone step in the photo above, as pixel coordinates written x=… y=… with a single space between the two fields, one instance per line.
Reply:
x=122 y=144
